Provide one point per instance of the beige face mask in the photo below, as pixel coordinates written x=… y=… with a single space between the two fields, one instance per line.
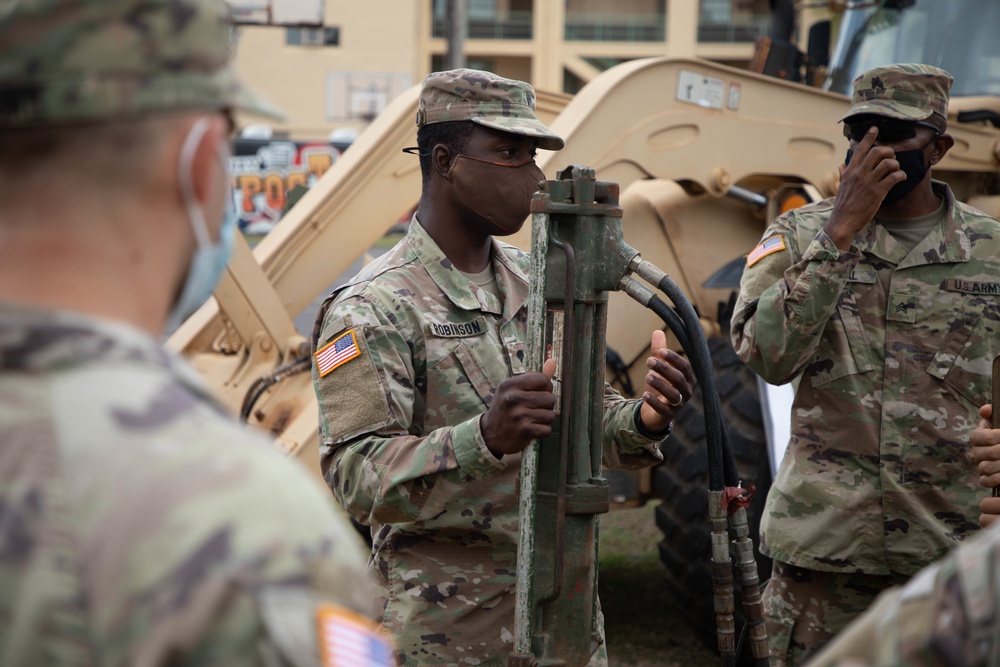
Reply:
x=500 y=193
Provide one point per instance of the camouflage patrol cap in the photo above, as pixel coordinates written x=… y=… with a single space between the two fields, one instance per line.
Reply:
x=906 y=92
x=78 y=61
x=486 y=99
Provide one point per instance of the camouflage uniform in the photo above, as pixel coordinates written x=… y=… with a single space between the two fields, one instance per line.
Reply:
x=946 y=616
x=400 y=423
x=139 y=525
x=486 y=99
x=890 y=351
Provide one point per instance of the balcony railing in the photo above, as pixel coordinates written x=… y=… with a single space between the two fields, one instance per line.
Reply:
x=589 y=27
x=738 y=31
x=509 y=25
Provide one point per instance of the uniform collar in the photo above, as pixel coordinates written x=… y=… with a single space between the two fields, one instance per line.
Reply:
x=511 y=280
x=946 y=243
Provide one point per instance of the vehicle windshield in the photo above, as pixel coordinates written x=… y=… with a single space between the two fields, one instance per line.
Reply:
x=959 y=36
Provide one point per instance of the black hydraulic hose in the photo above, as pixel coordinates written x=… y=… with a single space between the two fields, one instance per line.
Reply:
x=697 y=349
x=262 y=384
x=671 y=319
x=706 y=378
x=721 y=461
x=714 y=423
x=645 y=296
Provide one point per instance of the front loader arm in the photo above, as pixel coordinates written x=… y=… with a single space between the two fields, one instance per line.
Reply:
x=700 y=127
x=247 y=331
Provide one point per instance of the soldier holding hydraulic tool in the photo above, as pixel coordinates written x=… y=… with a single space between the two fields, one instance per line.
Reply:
x=882 y=304
x=425 y=396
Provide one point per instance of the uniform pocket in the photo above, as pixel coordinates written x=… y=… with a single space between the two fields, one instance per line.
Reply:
x=964 y=359
x=475 y=374
x=457 y=387
x=780 y=623
x=844 y=348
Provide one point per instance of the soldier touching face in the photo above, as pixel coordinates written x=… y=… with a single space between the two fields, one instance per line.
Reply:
x=878 y=304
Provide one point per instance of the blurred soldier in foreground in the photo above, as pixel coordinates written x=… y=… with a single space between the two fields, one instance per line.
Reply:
x=425 y=396
x=881 y=303
x=138 y=524
x=947 y=615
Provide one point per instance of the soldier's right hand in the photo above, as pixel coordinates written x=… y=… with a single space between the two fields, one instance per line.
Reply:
x=521 y=411
x=863 y=185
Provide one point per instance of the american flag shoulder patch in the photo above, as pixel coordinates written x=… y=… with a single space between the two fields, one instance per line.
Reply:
x=767 y=247
x=349 y=640
x=337 y=352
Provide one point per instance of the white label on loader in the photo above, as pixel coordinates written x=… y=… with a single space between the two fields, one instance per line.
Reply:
x=701 y=90
x=735 y=93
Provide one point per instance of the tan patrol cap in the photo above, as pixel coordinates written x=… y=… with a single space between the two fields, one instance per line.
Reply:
x=484 y=98
x=906 y=92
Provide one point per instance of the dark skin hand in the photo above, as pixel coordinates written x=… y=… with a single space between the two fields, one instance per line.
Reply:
x=522 y=410
x=873 y=171
x=863 y=185
x=669 y=383
x=524 y=406
x=985 y=453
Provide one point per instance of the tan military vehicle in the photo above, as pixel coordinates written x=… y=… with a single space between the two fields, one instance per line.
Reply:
x=705 y=155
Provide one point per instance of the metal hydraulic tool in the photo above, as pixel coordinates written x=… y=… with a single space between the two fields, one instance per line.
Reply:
x=578 y=257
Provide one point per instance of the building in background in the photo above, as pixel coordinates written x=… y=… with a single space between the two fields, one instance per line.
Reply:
x=340 y=75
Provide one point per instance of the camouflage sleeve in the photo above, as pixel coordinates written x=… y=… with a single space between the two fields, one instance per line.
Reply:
x=378 y=470
x=787 y=296
x=232 y=560
x=945 y=616
x=270 y=605
x=625 y=447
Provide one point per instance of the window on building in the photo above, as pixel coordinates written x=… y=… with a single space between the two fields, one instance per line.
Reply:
x=716 y=11
x=487 y=64
x=732 y=20
x=633 y=21
x=361 y=95
x=313 y=36
x=489 y=19
x=480 y=9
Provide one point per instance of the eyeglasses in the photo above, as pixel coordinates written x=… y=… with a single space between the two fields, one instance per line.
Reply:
x=890 y=130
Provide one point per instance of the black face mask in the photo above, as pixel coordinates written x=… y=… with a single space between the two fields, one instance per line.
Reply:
x=913 y=164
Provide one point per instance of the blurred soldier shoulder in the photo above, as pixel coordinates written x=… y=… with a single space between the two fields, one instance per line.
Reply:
x=140 y=525
x=946 y=616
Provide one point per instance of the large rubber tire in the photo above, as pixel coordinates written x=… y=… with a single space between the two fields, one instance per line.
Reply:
x=682 y=481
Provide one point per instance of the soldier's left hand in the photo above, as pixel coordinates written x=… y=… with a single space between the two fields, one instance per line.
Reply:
x=669 y=383
x=985 y=453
